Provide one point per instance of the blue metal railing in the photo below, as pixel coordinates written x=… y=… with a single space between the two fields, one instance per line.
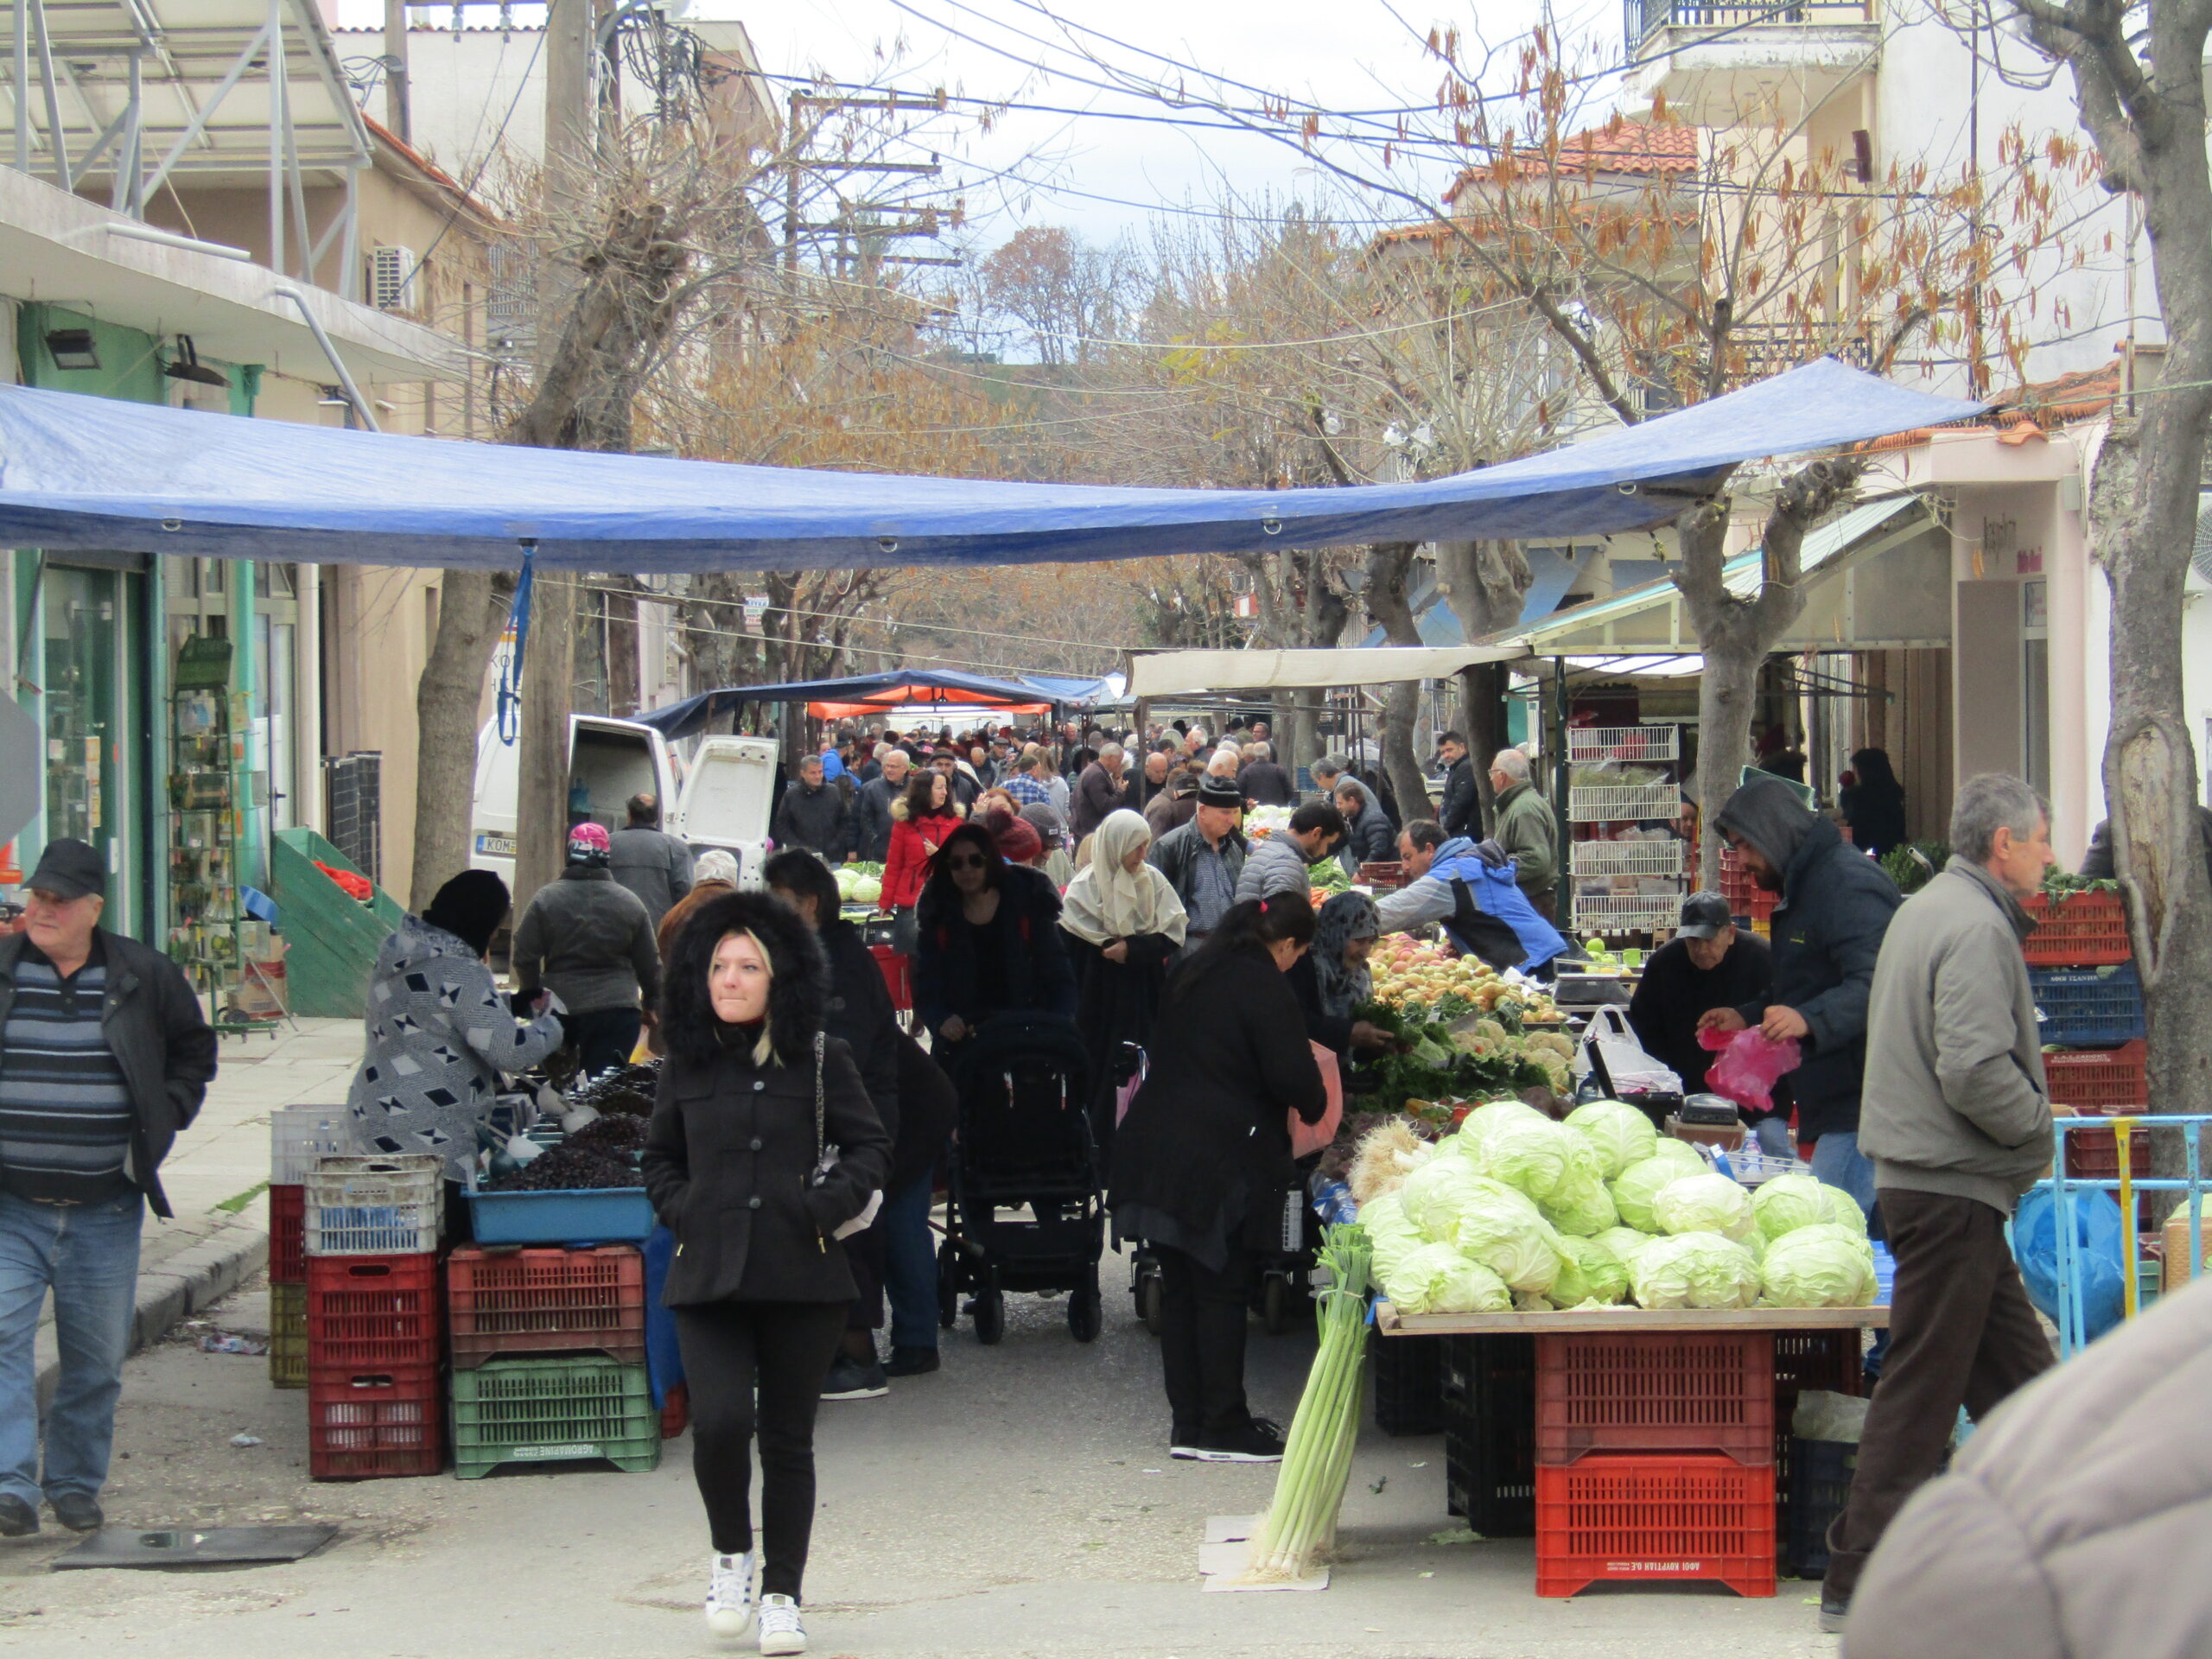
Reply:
x=2126 y=1187
x=1645 y=17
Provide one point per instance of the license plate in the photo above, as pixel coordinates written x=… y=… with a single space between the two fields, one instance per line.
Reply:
x=496 y=846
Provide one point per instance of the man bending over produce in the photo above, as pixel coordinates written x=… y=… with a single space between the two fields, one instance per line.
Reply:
x=1470 y=890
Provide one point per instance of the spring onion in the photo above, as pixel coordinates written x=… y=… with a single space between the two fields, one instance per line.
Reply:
x=1300 y=1524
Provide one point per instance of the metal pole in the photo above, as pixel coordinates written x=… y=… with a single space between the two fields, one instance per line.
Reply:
x=54 y=135
x=349 y=248
x=397 y=113
x=368 y=416
x=23 y=86
x=276 y=136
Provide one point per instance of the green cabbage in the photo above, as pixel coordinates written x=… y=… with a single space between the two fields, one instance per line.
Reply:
x=1845 y=1212
x=1588 y=1273
x=1478 y=1126
x=1530 y=1154
x=1704 y=1203
x=1682 y=1154
x=1581 y=1205
x=1819 y=1266
x=1623 y=1243
x=1437 y=1279
x=1619 y=1135
x=1789 y=1202
x=1391 y=1234
x=1694 y=1270
x=1639 y=1184
x=1437 y=1194
x=1486 y=1220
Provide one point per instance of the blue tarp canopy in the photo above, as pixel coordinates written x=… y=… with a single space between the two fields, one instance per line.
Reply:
x=92 y=472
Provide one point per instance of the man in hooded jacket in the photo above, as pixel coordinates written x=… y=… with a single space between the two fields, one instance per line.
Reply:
x=1826 y=931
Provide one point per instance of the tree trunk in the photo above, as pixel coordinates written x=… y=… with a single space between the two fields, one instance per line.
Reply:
x=549 y=674
x=1487 y=584
x=623 y=692
x=471 y=611
x=1389 y=564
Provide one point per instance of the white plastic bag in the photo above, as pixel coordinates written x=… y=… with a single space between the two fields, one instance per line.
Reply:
x=1626 y=1062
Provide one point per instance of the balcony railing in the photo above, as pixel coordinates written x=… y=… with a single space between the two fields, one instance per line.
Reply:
x=1647 y=17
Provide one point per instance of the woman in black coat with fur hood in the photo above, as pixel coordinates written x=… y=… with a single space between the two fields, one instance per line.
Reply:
x=763 y=1153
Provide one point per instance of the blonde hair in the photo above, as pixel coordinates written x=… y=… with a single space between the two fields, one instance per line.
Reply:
x=764 y=1049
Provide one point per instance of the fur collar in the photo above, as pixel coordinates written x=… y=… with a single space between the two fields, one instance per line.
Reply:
x=796 y=996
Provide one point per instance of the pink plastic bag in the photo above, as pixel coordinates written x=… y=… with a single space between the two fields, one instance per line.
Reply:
x=1749 y=1063
x=1305 y=1137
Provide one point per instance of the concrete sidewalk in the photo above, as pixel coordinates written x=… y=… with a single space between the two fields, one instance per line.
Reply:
x=216 y=1176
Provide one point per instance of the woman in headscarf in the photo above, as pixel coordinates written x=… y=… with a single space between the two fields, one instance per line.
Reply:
x=1876 y=810
x=1124 y=925
x=1332 y=979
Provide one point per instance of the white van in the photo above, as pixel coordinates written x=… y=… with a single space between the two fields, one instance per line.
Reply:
x=728 y=801
x=609 y=760
x=727 y=797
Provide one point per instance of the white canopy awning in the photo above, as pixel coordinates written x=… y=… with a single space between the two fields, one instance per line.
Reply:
x=1165 y=673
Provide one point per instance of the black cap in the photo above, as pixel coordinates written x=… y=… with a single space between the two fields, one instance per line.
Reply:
x=1216 y=791
x=1704 y=916
x=70 y=869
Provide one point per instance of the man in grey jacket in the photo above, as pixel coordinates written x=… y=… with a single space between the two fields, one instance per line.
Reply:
x=1955 y=1116
x=588 y=940
x=655 y=866
x=1283 y=861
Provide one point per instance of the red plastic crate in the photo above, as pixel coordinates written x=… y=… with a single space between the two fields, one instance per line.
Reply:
x=1655 y=1391
x=288 y=1235
x=676 y=1415
x=2100 y=1079
x=898 y=975
x=546 y=1301
x=2094 y=1154
x=367 y=1424
x=370 y=1312
x=1633 y=1517
x=2082 y=930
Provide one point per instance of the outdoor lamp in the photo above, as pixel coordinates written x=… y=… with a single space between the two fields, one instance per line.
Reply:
x=72 y=348
x=188 y=367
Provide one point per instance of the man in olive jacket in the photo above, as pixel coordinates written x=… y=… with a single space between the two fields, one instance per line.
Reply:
x=1527 y=829
x=1956 y=1117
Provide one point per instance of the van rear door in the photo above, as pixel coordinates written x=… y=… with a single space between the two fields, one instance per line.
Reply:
x=728 y=800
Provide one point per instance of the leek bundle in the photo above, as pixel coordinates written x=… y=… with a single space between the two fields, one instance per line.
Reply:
x=1301 y=1522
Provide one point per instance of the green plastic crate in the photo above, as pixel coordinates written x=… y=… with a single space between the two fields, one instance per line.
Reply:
x=514 y=1410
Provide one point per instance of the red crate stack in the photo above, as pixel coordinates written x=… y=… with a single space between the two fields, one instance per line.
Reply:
x=2100 y=1079
x=370 y=1312
x=1744 y=896
x=1636 y=1516
x=2077 y=930
x=1655 y=1391
x=368 y=1422
x=287 y=1235
x=546 y=1301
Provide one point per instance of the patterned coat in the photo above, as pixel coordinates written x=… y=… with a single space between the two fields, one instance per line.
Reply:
x=438 y=1036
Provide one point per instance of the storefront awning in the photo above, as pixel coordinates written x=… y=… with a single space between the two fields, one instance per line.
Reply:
x=88 y=473
x=1648 y=620
x=857 y=695
x=1166 y=673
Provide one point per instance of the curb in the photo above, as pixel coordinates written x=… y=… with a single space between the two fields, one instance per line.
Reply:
x=175 y=1288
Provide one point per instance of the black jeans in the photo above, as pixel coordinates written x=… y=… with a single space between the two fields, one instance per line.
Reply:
x=787 y=1347
x=605 y=1037
x=1203 y=1315
x=1962 y=1333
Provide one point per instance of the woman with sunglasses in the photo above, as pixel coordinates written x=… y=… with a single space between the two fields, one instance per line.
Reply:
x=988 y=942
x=1202 y=1159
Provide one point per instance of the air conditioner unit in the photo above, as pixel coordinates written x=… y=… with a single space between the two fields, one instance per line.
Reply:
x=393 y=273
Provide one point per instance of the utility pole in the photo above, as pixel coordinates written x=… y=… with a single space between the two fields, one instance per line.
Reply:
x=548 y=669
x=396 y=114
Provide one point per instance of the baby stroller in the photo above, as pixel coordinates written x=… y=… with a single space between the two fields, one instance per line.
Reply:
x=1026 y=1140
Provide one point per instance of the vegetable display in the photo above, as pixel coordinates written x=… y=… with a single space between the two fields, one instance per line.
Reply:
x=858 y=884
x=1819 y=1266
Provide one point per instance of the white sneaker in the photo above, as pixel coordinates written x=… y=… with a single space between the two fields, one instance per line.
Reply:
x=729 y=1594
x=780 y=1631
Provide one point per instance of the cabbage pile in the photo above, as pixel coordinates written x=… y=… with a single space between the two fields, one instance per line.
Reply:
x=1516 y=1211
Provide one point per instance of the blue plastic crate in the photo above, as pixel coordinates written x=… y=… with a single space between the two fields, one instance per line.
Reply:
x=610 y=1215
x=2083 y=1006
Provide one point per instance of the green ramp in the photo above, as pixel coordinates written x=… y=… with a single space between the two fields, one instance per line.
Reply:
x=331 y=940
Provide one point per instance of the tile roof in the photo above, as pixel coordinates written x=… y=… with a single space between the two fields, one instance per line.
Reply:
x=1639 y=149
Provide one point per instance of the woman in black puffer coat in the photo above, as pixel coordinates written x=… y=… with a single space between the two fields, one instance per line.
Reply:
x=763 y=1152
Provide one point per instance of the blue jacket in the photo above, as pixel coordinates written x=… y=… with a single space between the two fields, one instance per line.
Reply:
x=1496 y=909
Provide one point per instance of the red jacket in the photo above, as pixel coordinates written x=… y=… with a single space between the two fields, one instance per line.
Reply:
x=914 y=842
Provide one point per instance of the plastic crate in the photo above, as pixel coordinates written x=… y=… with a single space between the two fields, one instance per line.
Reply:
x=1821 y=1472
x=1621 y=802
x=2082 y=930
x=1490 y=1433
x=374 y=1206
x=1655 y=1391
x=608 y=1215
x=366 y=1313
x=1627 y=857
x=1591 y=744
x=514 y=1410
x=1640 y=1517
x=300 y=1135
x=546 y=1301
x=1385 y=876
x=1409 y=1384
x=366 y=1425
x=287 y=1235
x=287 y=1336
x=2086 y=1007
x=2093 y=1154
x=898 y=975
x=676 y=1414
x=1626 y=912
x=2100 y=1079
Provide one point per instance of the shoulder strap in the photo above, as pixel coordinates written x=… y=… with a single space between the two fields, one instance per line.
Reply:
x=819 y=1043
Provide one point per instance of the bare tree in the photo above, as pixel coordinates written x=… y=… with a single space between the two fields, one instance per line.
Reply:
x=2138 y=82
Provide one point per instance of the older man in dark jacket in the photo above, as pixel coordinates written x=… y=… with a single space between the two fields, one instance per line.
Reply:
x=871 y=820
x=1836 y=906
x=104 y=1058
x=813 y=814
